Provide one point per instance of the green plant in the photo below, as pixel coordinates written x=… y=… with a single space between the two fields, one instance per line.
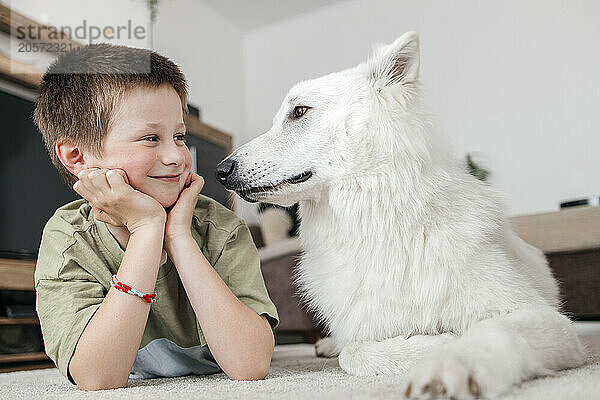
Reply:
x=475 y=170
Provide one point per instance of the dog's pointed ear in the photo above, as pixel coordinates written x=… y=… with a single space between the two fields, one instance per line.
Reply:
x=397 y=63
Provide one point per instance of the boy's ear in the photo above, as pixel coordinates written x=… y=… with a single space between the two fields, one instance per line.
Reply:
x=70 y=155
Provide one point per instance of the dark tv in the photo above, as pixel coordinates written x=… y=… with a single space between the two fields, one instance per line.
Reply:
x=32 y=188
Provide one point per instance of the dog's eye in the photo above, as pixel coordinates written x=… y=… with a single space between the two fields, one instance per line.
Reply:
x=300 y=111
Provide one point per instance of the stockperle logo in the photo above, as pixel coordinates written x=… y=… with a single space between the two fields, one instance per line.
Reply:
x=84 y=32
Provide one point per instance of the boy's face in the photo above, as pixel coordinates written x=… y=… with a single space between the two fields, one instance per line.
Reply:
x=146 y=140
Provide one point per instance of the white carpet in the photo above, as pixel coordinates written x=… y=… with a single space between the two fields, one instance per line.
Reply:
x=296 y=374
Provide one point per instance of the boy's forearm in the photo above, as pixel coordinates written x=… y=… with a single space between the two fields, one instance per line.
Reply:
x=108 y=346
x=240 y=340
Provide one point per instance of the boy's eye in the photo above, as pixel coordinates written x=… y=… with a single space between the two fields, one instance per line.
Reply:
x=151 y=138
x=180 y=137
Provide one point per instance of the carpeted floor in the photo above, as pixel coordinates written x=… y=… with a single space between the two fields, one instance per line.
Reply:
x=296 y=374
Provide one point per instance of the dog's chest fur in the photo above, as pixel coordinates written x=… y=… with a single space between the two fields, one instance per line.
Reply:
x=372 y=269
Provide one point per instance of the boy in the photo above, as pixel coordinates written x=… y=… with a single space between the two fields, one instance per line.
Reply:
x=144 y=276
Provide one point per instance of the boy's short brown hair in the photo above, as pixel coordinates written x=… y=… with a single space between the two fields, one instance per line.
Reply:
x=81 y=89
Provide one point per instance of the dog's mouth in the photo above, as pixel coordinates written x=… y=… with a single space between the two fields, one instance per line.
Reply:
x=303 y=177
x=250 y=193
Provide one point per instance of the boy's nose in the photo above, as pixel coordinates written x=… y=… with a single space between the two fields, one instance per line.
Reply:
x=172 y=155
x=224 y=171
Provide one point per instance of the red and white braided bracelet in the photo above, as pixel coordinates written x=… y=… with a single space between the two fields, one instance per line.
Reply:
x=148 y=298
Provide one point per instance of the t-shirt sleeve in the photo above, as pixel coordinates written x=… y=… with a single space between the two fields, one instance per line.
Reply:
x=239 y=266
x=67 y=296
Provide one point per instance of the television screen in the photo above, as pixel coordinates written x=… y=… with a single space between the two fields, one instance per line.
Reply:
x=206 y=156
x=32 y=189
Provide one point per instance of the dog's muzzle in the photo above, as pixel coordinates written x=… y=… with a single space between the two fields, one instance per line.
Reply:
x=227 y=175
x=224 y=172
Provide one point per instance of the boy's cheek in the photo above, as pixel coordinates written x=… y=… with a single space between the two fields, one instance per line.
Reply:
x=188 y=168
x=188 y=160
x=136 y=181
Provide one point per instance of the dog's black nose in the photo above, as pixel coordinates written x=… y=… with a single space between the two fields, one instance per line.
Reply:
x=224 y=170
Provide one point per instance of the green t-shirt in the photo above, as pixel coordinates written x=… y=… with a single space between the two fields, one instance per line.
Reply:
x=78 y=256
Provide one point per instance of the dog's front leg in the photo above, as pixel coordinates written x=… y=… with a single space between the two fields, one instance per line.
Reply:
x=495 y=354
x=390 y=356
x=326 y=347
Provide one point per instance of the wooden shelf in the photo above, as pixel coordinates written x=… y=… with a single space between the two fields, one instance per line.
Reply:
x=10 y=358
x=16 y=274
x=19 y=321
x=19 y=72
x=27 y=367
x=23 y=361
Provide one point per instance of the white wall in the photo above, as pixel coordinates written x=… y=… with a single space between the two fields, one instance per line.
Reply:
x=77 y=14
x=210 y=51
x=515 y=82
x=72 y=13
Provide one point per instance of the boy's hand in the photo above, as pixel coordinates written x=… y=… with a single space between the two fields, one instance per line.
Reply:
x=179 y=219
x=115 y=202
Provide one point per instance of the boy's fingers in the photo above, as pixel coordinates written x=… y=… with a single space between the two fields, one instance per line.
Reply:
x=190 y=194
x=96 y=173
x=200 y=182
x=117 y=177
x=114 y=176
x=123 y=174
x=82 y=189
x=98 y=182
x=84 y=173
x=196 y=185
x=94 y=178
x=196 y=179
x=77 y=187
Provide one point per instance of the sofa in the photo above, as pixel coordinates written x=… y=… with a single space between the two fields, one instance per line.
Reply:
x=296 y=324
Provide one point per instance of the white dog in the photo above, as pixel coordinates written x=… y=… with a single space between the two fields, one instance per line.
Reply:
x=408 y=260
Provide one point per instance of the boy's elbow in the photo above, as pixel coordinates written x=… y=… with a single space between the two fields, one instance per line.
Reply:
x=254 y=375
x=93 y=386
x=256 y=369
x=94 y=383
x=91 y=379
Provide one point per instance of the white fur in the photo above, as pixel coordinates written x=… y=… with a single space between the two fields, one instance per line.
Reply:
x=408 y=259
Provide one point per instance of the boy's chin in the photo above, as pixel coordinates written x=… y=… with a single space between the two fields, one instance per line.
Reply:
x=167 y=203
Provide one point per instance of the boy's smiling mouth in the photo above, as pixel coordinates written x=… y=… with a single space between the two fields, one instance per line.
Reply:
x=166 y=178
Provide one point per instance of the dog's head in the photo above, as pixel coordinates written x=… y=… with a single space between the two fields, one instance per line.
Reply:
x=328 y=129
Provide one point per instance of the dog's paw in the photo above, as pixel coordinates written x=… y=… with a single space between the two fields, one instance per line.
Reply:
x=325 y=347
x=355 y=359
x=445 y=376
x=370 y=358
